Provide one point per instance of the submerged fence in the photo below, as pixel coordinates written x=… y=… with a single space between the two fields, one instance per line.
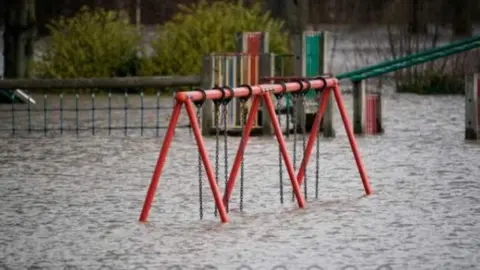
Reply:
x=109 y=106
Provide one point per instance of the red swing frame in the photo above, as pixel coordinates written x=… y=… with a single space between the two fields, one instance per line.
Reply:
x=257 y=92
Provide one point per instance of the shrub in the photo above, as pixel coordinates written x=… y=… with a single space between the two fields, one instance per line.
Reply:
x=202 y=28
x=434 y=83
x=93 y=43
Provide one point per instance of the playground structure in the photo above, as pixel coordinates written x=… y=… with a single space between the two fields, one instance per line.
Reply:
x=222 y=96
x=252 y=63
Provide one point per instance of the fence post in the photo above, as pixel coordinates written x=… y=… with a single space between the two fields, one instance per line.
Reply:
x=472 y=106
x=359 y=107
x=267 y=69
x=327 y=123
x=207 y=83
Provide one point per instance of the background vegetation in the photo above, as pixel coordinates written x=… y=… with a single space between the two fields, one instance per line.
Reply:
x=93 y=43
x=203 y=28
x=100 y=43
x=96 y=42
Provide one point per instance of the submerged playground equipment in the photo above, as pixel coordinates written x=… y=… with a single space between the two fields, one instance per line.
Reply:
x=254 y=88
x=320 y=87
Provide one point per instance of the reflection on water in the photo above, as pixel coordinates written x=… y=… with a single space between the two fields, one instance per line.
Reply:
x=69 y=202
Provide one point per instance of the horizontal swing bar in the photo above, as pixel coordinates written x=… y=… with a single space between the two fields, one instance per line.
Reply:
x=289 y=78
x=291 y=87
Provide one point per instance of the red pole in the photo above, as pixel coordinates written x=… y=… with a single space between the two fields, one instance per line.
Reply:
x=160 y=161
x=313 y=135
x=283 y=148
x=368 y=104
x=351 y=138
x=206 y=161
x=241 y=149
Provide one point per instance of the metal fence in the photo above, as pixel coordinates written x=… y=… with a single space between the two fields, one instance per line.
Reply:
x=136 y=107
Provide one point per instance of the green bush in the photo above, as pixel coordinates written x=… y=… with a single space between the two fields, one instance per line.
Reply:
x=202 y=28
x=434 y=83
x=93 y=43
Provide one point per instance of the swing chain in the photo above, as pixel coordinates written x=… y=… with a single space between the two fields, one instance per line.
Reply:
x=225 y=147
x=304 y=93
x=242 y=168
x=225 y=102
x=279 y=96
x=294 y=120
x=243 y=119
x=217 y=135
x=317 y=152
x=295 y=99
x=199 y=105
x=200 y=182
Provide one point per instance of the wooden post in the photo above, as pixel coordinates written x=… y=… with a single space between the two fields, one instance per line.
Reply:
x=472 y=106
x=327 y=123
x=379 y=117
x=18 y=39
x=359 y=93
x=138 y=8
x=18 y=36
x=299 y=69
x=267 y=69
x=207 y=83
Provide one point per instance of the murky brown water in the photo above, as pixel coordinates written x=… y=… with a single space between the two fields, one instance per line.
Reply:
x=70 y=202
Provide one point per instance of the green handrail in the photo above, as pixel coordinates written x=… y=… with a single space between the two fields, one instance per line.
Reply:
x=387 y=64
x=408 y=62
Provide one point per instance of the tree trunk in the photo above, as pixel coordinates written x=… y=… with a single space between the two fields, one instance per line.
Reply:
x=20 y=28
x=417 y=24
x=293 y=12
x=462 y=20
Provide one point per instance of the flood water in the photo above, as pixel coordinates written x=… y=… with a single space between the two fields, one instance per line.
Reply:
x=69 y=202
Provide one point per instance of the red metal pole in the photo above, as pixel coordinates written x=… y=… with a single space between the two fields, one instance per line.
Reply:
x=374 y=114
x=283 y=148
x=241 y=149
x=206 y=161
x=351 y=138
x=160 y=161
x=313 y=135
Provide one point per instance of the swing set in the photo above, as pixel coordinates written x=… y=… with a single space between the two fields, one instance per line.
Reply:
x=221 y=96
